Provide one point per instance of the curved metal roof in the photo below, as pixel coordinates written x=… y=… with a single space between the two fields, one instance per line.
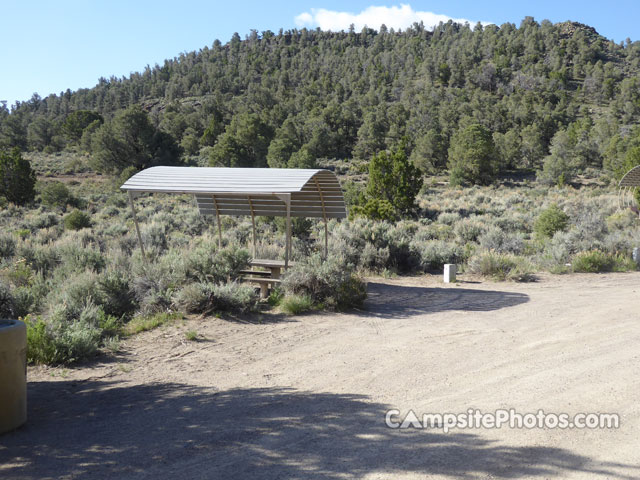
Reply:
x=631 y=178
x=248 y=191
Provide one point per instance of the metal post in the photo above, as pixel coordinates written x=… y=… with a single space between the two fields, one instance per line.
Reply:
x=324 y=217
x=135 y=222
x=286 y=198
x=253 y=225
x=215 y=203
x=288 y=246
x=326 y=240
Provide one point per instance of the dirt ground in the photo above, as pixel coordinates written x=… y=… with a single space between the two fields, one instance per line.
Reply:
x=306 y=396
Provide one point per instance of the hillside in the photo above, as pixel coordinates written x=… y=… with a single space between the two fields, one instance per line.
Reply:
x=298 y=96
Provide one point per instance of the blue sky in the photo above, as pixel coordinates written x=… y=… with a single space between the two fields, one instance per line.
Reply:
x=47 y=47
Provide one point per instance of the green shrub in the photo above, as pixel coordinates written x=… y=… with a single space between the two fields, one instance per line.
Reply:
x=234 y=297
x=74 y=293
x=194 y=297
x=6 y=302
x=501 y=266
x=594 y=261
x=42 y=259
x=191 y=335
x=115 y=295
x=143 y=323
x=77 y=220
x=23 y=301
x=205 y=264
x=469 y=229
x=75 y=258
x=46 y=220
x=502 y=242
x=331 y=282
x=435 y=253
x=7 y=246
x=155 y=283
x=472 y=156
x=18 y=273
x=62 y=339
x=41 y=348
x=550 y=221
x=56 y=194
x=207 y=297
x=295 y=304
x=275 y=297
x=154 y=236
x=17 y=179
x=617 y=221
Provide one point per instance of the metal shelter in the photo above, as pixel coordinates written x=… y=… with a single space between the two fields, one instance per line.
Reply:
x=627 y=187
x=279 y=192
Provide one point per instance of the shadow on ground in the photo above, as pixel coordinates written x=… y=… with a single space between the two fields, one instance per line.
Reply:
x=393 y=301
x=111 y=430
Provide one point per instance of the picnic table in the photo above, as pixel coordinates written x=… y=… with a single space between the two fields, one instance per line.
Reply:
x=268 y=277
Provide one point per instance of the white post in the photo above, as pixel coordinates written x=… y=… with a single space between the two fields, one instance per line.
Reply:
x=450 y=271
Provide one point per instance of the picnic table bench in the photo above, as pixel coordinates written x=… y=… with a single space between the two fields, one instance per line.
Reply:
x=267 y=277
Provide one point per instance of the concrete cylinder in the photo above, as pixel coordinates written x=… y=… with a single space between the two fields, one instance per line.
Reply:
x=13 y=374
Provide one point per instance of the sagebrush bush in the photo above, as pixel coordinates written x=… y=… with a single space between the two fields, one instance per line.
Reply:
x=44 y=220
x=590 y=226
x=434 y=254
x=194 y=297
x=74 y=258
x=155 y=283
x=42 y=258
x=550 y=221
x=74 y=293
x=469 y=229
x=449 y=218
x=55 y=194
x=501 y=266
x=6 y=301
x=154 y=236
x=206 y=263
x=77 y=220
x=622 y=220
x=23 y=301
x=332 y=282
x=115 y=294
x=205 y=297
x=63 y=337
x=7 y=245
x=498 y=240
x=234 y=297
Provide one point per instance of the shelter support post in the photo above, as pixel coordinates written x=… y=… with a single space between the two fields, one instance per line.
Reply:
x=324 y=217
x=326 y=240
x=288 y=247
x=135 y=222
x=215 y=203
x=286 y=198
x=253 y=226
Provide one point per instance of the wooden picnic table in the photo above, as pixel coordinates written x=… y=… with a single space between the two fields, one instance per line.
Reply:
x=274 y=266
x=266 y=279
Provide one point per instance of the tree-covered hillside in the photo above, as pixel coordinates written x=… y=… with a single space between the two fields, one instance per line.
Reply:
x=555 y=97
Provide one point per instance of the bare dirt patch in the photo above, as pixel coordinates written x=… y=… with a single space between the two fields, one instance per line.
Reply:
x=305 y=397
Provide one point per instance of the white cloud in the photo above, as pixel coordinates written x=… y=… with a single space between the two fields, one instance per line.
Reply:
x=394 y=17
